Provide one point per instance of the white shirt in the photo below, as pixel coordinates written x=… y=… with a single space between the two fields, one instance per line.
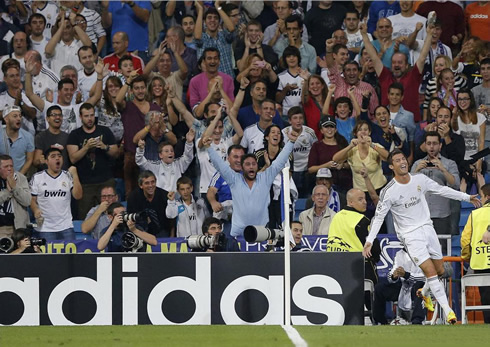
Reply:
x=207 y=169
x=40 y=47
x=66 y=55
x=302 y=147
x=46 y=79
x=50 y=12
x=253 y=138
x=404 y=26
x=355 y=40
x=7 y=100
x=71 y=116
x=408 y=205
x=471 y=135
x=293 y=97
x=53 y=197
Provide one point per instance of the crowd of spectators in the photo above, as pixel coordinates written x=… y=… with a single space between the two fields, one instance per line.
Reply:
x=174 y=98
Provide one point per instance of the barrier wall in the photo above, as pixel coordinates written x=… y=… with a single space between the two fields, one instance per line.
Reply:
x=192 y=288
x=389 y=246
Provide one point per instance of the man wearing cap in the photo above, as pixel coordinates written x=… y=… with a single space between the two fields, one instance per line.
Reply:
x=316 y=220
x=16 y=142
x=324 y=177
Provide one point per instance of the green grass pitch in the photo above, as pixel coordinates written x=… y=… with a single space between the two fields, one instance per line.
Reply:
x=237 y=336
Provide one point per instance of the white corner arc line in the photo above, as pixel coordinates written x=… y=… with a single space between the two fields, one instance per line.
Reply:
x=294 y=336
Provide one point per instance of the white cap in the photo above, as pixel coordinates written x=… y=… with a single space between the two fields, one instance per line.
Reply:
x=324 y=173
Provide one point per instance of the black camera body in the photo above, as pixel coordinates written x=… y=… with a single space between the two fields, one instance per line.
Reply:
x=216 y=243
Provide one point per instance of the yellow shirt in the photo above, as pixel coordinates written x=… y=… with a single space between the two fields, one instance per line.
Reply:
x=373 y=165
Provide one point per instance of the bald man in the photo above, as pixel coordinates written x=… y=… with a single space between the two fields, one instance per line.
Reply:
x=120 y=44
x=349 y=229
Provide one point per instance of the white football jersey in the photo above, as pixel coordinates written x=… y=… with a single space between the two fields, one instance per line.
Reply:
x=53 y=198
x=293 y=97
x=302 y=147
x=253 y=138
x=207 y=169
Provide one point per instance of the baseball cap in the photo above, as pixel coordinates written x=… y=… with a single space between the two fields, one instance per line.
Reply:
x=9 y=109
x=324 y=173
x=328 y=121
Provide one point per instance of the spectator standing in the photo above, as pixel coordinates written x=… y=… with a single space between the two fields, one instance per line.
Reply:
x=95 y=31
x=49 y=11
x=404 y=22
x=16 y=142
x=477 y=16
x=381 y=9
x=51 y=191
x=91 y=149
x=274 y=31
x=37 y=22
x=15 y=197
x=320 y=29
x=130 y=17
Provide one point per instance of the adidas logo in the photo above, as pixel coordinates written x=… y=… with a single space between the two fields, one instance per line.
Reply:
x=479 y=16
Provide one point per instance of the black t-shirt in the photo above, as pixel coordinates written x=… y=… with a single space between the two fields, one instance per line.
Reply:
x=6 y=210
x=45 y=139
x=137 y=202
x=96 y=165
x=322 y=23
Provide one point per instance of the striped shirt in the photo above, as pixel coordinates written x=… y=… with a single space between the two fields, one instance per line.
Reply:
x=459 y=82
x=94 y=24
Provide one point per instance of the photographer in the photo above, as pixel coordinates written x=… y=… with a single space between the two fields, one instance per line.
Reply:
x=22 y=242
x=111 y=237
x=214 y=227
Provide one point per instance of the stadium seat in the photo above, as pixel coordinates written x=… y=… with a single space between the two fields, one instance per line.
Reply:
x=474 y=280
x=77 y=226
x=369 y=287
x=464 y=217
x=467 y=205
x=124 y=203
x=299 y=206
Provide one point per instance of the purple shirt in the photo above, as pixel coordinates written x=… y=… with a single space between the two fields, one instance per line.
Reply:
x=133 y=120
x=198 y=87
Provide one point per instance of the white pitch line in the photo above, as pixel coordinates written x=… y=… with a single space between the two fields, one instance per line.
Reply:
x=294 y=336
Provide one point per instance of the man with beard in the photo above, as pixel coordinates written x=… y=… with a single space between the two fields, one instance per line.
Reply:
x=66 y=90
x=251 y=190
x=91 y=148
x=16 y=142
x=404 y=196
x=51 y=192
x=400 y=72
x=445 y=172
x=51 y=137
x=133 y=118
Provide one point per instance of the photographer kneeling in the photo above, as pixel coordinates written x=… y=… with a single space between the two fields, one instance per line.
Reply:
x=213 y=240
x=22 y=242
x=115 y=235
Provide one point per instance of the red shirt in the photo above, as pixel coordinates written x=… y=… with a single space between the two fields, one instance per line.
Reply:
x=113 y=61
x=312 y=116
x=411 y=83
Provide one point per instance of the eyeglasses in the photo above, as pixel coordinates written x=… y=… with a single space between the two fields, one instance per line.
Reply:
x=78 y=22
x=108 y=196
x=55 y=115
x=464 y=99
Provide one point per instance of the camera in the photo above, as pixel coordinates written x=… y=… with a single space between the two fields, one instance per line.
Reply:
x=6 y=245
x=130 y=242
x=217 y=242
x=134 y=217
x=257 y=233
x=430 y=164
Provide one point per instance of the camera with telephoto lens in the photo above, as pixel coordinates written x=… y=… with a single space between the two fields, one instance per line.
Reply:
x=257 y=233
x=134 y=217
x=215 y=242
x=131 y=243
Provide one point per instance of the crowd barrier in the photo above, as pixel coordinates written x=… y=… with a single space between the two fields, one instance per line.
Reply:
x=180 y=288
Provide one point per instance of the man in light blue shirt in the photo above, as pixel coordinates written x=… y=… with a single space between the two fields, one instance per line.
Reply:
x=250 y=190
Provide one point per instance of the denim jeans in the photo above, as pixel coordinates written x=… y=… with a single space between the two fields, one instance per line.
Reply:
x=67 y=234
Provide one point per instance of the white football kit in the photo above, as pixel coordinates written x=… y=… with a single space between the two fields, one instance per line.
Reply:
x=411 y=215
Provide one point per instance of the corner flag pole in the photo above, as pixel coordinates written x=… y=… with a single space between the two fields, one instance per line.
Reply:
x=287 y=239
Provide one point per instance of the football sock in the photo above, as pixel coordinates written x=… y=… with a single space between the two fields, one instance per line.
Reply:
x=439 y=293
